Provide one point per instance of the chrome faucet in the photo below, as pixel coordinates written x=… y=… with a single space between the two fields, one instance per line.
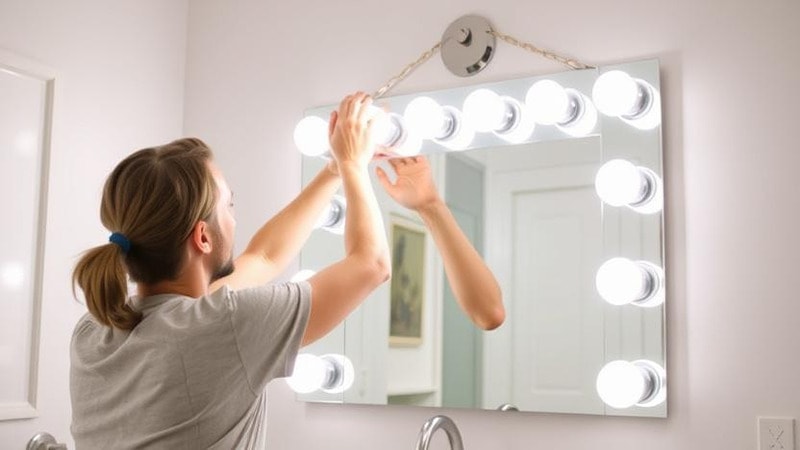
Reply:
x=507 y=407
x=433 y=424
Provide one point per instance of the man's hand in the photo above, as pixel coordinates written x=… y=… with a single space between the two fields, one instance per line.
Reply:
x=350 y=131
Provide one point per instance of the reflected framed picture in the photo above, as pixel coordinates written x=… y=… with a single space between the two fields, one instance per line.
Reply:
x=407 y=289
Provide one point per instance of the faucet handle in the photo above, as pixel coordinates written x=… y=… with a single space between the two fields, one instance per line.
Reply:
x=433 y=424
x=507 y=407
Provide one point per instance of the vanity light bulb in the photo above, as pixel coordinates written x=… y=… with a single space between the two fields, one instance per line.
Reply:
x=311 y=136
x=302 y=275
x=549 y=103
x=619 y=183
x=309 y=373
x=622 y=384
x=391 y=132
x=410 y=144
x=384 y=130
x=620 y=281
x=616 y=94
x=485 y=111
x=426 y=117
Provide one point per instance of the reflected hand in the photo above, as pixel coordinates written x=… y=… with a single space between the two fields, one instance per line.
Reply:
x=414 y=187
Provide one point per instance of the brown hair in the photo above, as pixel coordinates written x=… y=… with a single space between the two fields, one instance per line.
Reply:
x=154 y=198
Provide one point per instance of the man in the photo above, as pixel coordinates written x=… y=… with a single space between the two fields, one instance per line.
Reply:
x=184 y=363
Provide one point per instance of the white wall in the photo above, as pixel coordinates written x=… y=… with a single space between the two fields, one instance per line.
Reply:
x=730 y=97
x=119 y=87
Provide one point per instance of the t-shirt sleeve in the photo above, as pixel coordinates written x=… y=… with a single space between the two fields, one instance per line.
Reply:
x=269 y=323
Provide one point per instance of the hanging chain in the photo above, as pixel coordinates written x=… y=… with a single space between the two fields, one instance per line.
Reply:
x=571 y=63
x=406 y=71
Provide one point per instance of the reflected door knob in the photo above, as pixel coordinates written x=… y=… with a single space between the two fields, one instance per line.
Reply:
x=45 y=441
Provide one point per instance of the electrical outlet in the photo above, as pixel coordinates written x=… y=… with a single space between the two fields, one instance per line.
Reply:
x=775 y=433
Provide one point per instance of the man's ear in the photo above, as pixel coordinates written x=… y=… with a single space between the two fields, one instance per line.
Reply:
x=201 y=237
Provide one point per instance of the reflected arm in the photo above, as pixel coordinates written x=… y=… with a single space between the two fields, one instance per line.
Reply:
x=473 y=284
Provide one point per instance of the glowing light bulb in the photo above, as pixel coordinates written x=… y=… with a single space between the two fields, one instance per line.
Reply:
x=616 y=94
x=311 y=136
x=302 y=275
x=620 y=281
x=410 y=144
x=384 y=130
x=550 y=103
x=425 y=117
x=619 y=182
x=484 y=110
x=622 y=384
x=309 y=373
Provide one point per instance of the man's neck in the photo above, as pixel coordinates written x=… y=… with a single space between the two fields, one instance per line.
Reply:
x=191 y=283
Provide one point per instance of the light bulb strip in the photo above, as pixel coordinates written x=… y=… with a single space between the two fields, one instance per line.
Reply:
x=574 y=121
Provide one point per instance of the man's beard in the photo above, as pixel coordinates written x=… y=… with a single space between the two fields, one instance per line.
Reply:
x=223 y=269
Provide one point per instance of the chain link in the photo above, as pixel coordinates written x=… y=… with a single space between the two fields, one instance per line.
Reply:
x=569 y=62
x=406 y=71
x=572 y=63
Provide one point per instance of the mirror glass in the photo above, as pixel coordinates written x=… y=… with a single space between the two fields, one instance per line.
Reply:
x=560 y=252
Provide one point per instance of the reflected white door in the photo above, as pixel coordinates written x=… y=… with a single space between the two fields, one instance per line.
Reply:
x=25 y=110
x=545 y=243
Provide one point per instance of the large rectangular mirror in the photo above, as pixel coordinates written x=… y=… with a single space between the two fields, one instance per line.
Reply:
x=575 y=326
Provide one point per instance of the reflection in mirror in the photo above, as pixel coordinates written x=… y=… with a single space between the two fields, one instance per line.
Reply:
x=564 y=203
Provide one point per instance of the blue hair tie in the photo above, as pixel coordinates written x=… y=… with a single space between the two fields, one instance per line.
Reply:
x=121 y=240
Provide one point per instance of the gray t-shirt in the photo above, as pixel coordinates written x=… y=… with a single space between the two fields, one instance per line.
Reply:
x=191 y=375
